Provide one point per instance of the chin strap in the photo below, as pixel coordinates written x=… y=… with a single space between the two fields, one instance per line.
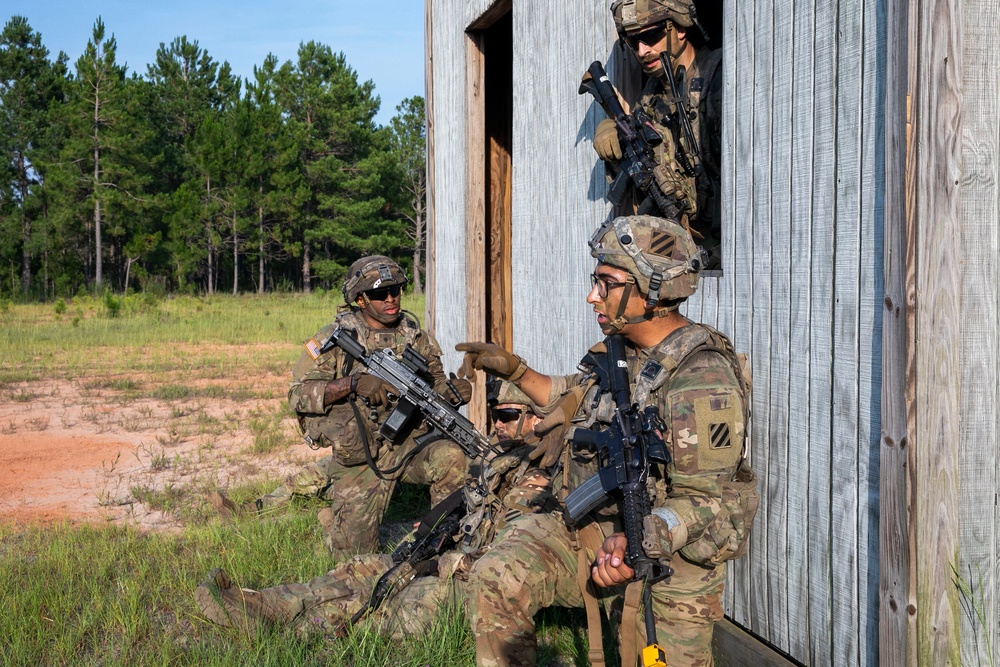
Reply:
x=620 y=320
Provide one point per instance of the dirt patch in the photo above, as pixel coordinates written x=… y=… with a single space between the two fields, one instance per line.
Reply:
x=84 y=452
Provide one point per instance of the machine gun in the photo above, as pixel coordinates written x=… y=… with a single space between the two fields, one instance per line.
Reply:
x=624 y=452
x=679 y=120
x=415 y=394
x=416 y=557
x=638 y=139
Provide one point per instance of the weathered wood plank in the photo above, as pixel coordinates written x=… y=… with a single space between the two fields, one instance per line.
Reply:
x=475 y=213
x=846 y=548
x=980 y=402
x=800 y=323
x=742 y=267
x=894 y=557
x=780 y=463
x=823 y=221
x=755 y=609
x=732 y=646
x=431 y=250
x=933 y=173
x=871 y=178
x=738 y=584
x=766 y=600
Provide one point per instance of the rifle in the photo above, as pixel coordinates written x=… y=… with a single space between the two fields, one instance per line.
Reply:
x=679 y=120
x=624 y=452
x=638 y=138
x=416 y=557
x=415 y=395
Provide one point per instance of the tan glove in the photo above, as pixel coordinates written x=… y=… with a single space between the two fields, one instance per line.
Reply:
x=371 y=389
x=454 y=389
x=550 y=447
x=606 y=141
x=491 y=358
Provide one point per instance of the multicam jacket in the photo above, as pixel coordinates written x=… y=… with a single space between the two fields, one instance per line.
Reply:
x=326 y=425
x=705 y=498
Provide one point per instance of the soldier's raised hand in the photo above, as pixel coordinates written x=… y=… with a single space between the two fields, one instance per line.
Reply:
x=491 y=358
x=606 y=141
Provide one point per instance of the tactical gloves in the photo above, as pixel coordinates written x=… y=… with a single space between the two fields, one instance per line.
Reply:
x=456 y=390
x=491 y=358
x=369 y=387
x=550 y=447
x=606 y=141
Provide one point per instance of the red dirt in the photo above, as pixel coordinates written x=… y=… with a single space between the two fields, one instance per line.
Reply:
x=69 y=453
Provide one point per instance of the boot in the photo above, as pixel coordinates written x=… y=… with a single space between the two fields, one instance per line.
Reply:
x=224 y=604
x=229 y=509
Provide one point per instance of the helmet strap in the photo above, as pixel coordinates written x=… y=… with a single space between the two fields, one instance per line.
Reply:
x=620 y=320
x=520 y=425
x=673 y=41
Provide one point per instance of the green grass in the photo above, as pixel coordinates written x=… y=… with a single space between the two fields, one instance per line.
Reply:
x=113 y=595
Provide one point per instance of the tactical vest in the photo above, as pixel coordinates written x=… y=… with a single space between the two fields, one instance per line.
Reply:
x=396 y=339
x=701 y=193
x=725 y=539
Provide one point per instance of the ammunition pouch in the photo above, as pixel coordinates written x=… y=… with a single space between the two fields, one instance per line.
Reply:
x=726 y=537
x=339 y=430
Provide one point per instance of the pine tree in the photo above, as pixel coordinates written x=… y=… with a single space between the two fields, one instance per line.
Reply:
x=29 y=82
x=408 y=142
x=342 y=160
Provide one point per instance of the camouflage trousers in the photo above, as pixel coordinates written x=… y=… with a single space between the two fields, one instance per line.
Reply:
x=322 y=605
x=358 y=498
x=533 y=565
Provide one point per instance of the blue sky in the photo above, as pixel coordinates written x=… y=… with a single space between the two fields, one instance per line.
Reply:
x=383 y=41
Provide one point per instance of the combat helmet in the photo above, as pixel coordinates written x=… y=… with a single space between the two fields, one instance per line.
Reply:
x=659 y=255
x=633 y=16
x=369 y=273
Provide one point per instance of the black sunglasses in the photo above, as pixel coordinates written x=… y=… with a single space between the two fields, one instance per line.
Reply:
x=506 y=415
x=383 y=293
x=649 y=37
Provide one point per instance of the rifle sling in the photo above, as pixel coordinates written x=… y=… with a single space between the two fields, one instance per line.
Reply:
x=629 y=630
x=590 y=540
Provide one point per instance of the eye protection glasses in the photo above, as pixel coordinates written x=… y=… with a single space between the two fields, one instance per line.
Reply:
x=506 y=415
x=604 y=285
x=383 y=293
x=649 y=37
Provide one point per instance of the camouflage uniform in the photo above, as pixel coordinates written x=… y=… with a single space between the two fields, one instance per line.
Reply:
x=324 y=604
x=358 y=497
x=533 y=563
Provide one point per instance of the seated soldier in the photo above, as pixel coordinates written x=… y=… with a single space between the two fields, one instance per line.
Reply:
x=509 y=485
x=341 y=406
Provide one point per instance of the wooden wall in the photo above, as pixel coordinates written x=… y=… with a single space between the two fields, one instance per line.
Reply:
x=801 y=292
x=801 y=289
x=557 y=189
x=978 y=22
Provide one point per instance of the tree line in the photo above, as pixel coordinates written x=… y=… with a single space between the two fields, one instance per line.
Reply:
x=189 y=179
